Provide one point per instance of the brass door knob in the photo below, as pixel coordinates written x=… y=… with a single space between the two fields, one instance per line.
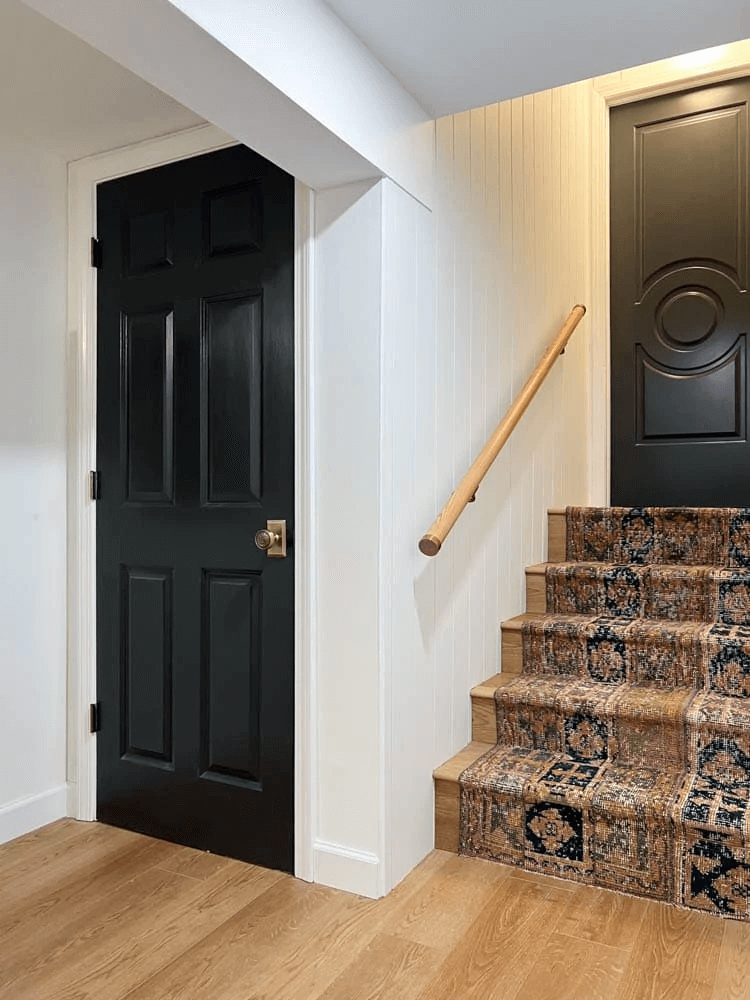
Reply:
x=272 y=539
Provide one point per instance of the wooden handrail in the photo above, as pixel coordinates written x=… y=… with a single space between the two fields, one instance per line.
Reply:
x=431 y=543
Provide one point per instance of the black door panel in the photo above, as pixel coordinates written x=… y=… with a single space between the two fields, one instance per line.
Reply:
x=195 y=624
x=680 y=311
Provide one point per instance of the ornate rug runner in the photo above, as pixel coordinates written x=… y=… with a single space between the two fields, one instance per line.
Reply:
x=623 y=758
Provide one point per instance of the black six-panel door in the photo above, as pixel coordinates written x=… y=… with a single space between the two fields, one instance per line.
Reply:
x=680 y=307
x=195 y=452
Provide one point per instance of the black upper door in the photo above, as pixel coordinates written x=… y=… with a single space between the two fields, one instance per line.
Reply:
x=195 y=452
x=680 y=309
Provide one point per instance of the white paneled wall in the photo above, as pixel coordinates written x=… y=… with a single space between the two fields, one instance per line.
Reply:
x=512 y=225
x=501 y=262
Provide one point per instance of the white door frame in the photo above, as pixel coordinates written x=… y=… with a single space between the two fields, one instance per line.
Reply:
x=83 y=178
x=655 y=80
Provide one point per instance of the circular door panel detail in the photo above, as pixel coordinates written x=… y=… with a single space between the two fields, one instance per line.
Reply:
x=691 y=317
x=688 y=317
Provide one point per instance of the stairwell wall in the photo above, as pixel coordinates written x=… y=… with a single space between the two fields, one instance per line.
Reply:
x=510 y=239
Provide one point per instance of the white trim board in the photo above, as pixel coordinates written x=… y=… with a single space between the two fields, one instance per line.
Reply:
x=83 y=177
x=344 y=868
x=654 y=80
x=25 y=815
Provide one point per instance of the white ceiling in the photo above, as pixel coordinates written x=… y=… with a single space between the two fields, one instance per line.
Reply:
x=59 y=92
x=452 y=55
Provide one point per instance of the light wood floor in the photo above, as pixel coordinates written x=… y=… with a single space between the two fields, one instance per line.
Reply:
x=88 y=911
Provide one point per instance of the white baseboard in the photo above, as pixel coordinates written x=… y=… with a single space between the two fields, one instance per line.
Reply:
x=344 y=868
x=25 y=815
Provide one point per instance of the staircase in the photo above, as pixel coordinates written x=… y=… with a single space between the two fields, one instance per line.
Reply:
x=614 y=749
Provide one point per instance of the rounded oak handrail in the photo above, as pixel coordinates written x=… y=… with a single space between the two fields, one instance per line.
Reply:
x=431 y=542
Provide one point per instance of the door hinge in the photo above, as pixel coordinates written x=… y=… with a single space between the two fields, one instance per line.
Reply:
x=95 y=723
x=96 y=252
x=95 y=486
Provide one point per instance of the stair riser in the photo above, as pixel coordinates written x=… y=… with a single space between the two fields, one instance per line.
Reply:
x=689 y=537
x=709 y=656
x=699 y=594
x=678 y=730
x=556 y=536
x=625 y=726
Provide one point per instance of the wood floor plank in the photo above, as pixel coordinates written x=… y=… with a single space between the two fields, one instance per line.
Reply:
x=57 y=865
x=225 y=962
x=316 y=960
x=140 y=930
x=388 y=967
x=25 y=846
x=568 y=968
x=316 y=963
x=60 y=914
x=733 y=973
x=448 y=904
x=674 y=957
x=496 y=953
x=194 y=864
x=606 y=918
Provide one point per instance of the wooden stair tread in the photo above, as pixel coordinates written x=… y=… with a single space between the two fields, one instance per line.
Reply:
x=450 y=770
x=538 y=569
x=516 y=624
x=487 y=688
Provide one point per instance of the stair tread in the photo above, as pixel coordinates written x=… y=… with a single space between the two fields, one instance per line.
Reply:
x=517 y=623
x=680 y=796
x=487 y=688
x=452 y=768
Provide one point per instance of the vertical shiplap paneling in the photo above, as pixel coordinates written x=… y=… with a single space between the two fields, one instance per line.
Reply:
x=477 y=252
x=464 y=321
x=491 y=508
x=506 y=337
x=460 y=405
x=512 y=258
x=442 y=404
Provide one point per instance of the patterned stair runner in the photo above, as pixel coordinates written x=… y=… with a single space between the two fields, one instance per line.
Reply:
x=623 y=754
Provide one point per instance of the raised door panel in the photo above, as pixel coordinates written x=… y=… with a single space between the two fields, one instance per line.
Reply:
x=231 y=400
x=232 y=220
x=146 y=664
x=231 y=675
x=701 y=405
x=147 y=402
x=691 y=193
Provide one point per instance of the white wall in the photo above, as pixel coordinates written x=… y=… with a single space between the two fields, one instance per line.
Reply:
x=32 y=487
x=348 y=704
x=289 y=80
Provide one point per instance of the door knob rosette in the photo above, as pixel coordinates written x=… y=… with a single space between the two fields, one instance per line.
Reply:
x=272 y=539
